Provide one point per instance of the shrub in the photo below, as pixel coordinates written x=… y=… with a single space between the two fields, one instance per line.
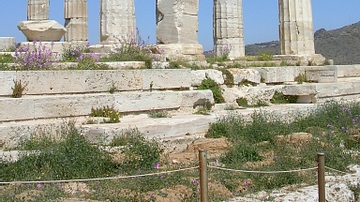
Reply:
x=265 y=57
x=133 y=48
x=72 y=158
x=140 y=153
x=244 y=103
x=229 y=77
x=89 y=62
x=18 y=89
x=158 y=114
x=37 y=56
x=73 y=52
x=280 y=98
x=107 y=112
x=301 y=78
x=208 y=83
x=6 y=58
x=213 y=57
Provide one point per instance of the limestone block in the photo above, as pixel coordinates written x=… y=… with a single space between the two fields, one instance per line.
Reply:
x=230 y=94
x=38 y=10
x=69 y=105
x=166 y=79
x=7 y=42
x=177 y=21
x=304 y=89
x=334 y=89
x=252 y=94
x=77 y=29
x=117 y=18
x=102 y=81
x=17 y=109
x=306 y=99
x=187 y=52
x=192 y=99
x=325 y=74
x=53 y=82
x=279 y=74
x=45 y=30
x=245 y=75
x=198 y=76
x=145 y=101
x=55 y=47
x=7 y=82
x=348 y=70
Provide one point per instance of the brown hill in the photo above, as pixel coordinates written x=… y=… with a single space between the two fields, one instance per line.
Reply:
x=342 y=45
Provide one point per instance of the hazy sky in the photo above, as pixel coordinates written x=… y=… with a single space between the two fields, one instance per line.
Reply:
x=260 y=18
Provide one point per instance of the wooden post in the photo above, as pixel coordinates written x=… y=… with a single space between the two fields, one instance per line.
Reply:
x=204 y=196
x=321 y=176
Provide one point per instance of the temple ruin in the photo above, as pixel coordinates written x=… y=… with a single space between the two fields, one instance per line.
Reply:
x=176 y=25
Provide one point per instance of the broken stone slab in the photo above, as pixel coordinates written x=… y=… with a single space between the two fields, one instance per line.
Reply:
x=321 y=74
x=241 y=75
x=252 y=94
x=43 y=30
x=197 y=76
x=6 y=43
x=278 y=74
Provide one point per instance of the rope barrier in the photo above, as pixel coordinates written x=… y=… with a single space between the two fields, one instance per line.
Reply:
x=332 y=169
x=97 y=179
x=263 y=172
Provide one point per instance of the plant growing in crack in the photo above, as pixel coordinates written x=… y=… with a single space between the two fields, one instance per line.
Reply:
x=18 y=89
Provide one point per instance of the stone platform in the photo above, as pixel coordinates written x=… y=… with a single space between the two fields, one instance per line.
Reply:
x=54 y=96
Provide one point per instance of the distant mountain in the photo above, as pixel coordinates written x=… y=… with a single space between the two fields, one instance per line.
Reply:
x=342 y=45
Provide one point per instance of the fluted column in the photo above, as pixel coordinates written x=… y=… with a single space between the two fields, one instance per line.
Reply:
x=117 y=18
x=38 y=10
x=76 y=20
x=296 y=27
x=228 y=28
x=177 y=21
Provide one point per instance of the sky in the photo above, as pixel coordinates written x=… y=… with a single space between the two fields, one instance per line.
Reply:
x=260 y=18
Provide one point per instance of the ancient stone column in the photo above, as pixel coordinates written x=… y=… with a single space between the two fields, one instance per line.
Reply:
x=76 y=20
x=228 y=28
x=117 y=18
x=38 y=10
x=177 y=21
x=296 y=27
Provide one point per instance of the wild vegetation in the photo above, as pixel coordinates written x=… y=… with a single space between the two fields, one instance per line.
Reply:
x=261 y=144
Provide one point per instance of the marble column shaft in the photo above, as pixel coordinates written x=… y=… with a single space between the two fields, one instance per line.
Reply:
x=38 y=10
x=177 y=21
x=296 y=27
x=228 y=28
x=76 y=20
x=117 y=18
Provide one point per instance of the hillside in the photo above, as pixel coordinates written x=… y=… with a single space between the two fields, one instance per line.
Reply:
x=342 y=45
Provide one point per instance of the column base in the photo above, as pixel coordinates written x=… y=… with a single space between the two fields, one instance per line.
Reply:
x=186 y=52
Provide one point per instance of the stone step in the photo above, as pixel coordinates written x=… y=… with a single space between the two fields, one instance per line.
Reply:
x=345 y=87
x=94 y=81
x=177 y=126
x=61 y=106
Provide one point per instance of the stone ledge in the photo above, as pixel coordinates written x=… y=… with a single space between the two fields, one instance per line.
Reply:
x=94 y=81
x=61 y=106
